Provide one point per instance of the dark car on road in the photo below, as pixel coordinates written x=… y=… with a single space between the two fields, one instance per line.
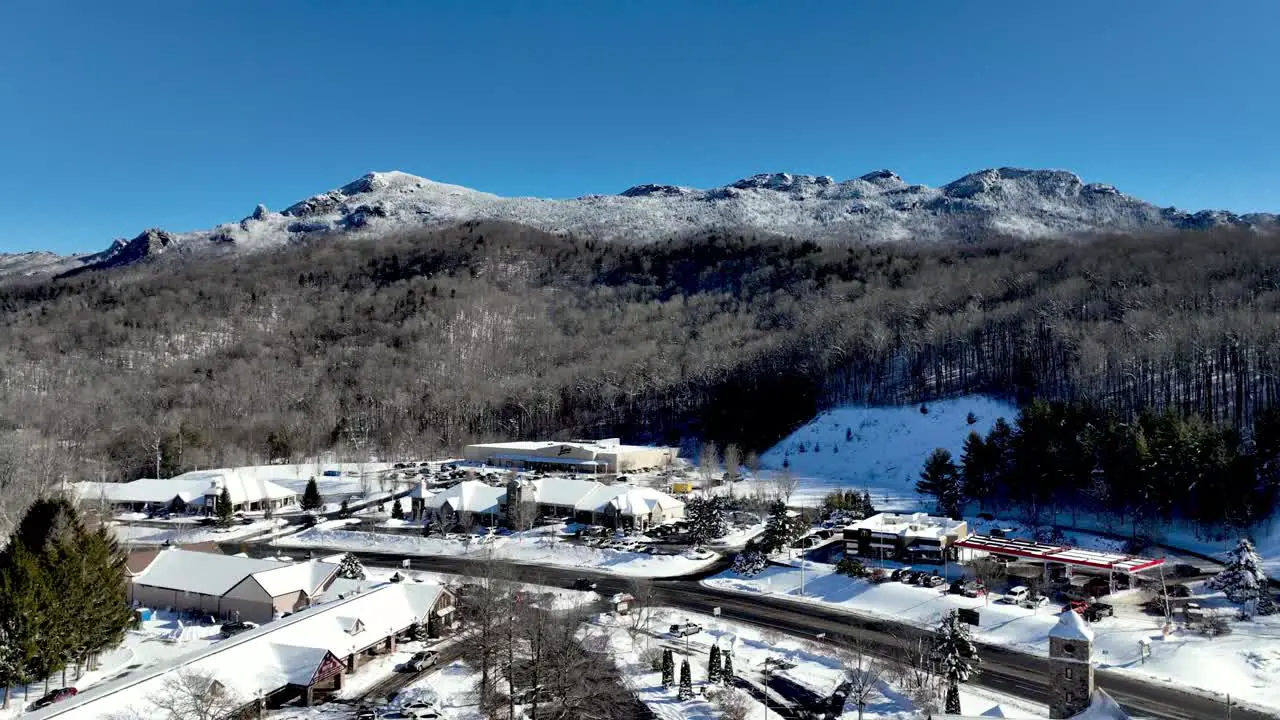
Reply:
x=584 y=584
x=55 y=696
x=235 y=628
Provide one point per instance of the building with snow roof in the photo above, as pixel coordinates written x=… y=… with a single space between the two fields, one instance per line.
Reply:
x=295 y=659
x=607 y=455
x=470 y=501
x=594 y=503
x=190 y=491
x=228 y=586
x=910 y=537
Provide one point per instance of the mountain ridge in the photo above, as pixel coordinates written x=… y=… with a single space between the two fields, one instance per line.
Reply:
x=877 y=207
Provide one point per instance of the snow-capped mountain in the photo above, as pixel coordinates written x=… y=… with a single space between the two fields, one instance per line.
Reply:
x=877 y=207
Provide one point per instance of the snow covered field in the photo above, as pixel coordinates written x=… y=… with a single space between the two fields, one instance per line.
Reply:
x=537 y=546
x=1245 y=663
x=808 y=663
x=885 y=449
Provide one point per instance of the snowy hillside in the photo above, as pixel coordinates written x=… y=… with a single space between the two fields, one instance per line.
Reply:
x=881 y=449
x=876 y=207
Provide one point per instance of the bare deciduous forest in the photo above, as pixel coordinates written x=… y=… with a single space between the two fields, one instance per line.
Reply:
x=420 y=342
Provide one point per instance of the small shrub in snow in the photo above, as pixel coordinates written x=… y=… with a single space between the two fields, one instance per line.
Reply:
x=924 y=409
x=726 y=672
x=851 y=567
x=653 y=658
x=397 y=510
x=848 y=434
x=351 y=568
x=971 y=418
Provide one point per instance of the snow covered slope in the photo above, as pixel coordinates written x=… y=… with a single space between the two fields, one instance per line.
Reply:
x=881 y=449
x=876 y=207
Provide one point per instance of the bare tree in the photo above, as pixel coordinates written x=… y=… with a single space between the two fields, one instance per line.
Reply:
x=753 y=464
x=915 y=671
x=732 y=461
x=988 y=571
x=708 y=463
x=783 y=484
x=734 y=704
x=863 y=673
x=188 y=695
x=642 y=590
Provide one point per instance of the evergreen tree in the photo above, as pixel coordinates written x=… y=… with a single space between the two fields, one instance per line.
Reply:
x=955 y=656
x=224 y=508
x=726 y=672
x=397 y=510
x=1243 y=580
x=750 y=562
x=433 y=626
x=686 y=681
x=977 y=469
x=713 y=665
x=668 y=668
x=867 y=508
x=25 y=599
x=344 y=509
x=351 y=568
x=941 y=481
x=848 y=434
x=311 y=499
x=851 y=567
x=706 y=519
x=780 y=529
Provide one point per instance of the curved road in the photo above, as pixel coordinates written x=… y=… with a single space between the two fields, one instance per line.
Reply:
x=1003 y=670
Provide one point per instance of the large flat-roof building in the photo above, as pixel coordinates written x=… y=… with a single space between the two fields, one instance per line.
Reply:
x=607 y=455
x=914 y=537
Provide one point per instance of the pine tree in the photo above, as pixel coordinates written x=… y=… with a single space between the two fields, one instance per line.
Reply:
x=977 y=468
x=955 y=656
x=668 y=668
x=686 y=681
x=311 y=499
x=224 y=508
x=713 y=665
x=433 y=626
x=344 y=509
x=750 y=562
x=780 y=530
x=706 y=519
x=1243 y=580
x=351 y=568
x=726 y=672
x=25 y=598
x=397 y=510
x=941 y=481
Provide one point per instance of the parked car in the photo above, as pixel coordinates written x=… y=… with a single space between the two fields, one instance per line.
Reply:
x=970 y=588
x=897 y=574
x=1185 y=570
x=1034 y=601
x=1096 y=611
x=584 y=584
x=879 y=575
x=55 y=696
x=420 y=710
x=934 y=581
x=235 y=628
x=685 y=630
x=421 y=661
x=1179 y=591
x=1017 y=594
x=365 y=713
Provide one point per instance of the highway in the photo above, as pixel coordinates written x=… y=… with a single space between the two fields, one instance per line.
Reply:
x=1003 y=670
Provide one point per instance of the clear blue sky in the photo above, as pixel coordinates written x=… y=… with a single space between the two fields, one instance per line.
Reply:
x=120 y=116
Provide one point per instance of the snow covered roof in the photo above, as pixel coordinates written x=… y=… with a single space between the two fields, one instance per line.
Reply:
x=260 y=661
x=243 y=486
x=191 y=487
x=912 y=525
x=306 y=576
x=198 y=572
x=1102 y=707
x=603 y=445
x=1071 y=626
x=1060 y=553
x=469 y=496
x=592 y=496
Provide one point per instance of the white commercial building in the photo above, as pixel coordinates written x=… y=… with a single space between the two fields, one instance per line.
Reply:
x=607 y=455
x=594 y=503
x=292 y=659
x=907 y=537
x=190 y=491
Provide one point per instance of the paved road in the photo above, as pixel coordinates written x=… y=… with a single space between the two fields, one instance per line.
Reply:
x=1003 y=670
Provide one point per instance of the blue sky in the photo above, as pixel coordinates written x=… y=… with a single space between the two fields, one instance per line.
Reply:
x=121 y=116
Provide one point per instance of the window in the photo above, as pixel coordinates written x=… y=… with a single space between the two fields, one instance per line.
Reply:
x=1069 y=649
x=1068 y=698
x=1067 y=673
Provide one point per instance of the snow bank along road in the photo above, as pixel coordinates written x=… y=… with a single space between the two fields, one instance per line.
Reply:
x=1003 y=670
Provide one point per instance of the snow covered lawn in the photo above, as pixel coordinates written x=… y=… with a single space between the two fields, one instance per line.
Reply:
x=1246 y=662
x=536 y=547
x=885 y=449
x=808 y=663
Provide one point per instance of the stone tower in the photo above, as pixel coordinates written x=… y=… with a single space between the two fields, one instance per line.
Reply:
x=1071 y=672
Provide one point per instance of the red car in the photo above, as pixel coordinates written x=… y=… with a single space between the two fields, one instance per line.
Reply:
x=53 y=697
